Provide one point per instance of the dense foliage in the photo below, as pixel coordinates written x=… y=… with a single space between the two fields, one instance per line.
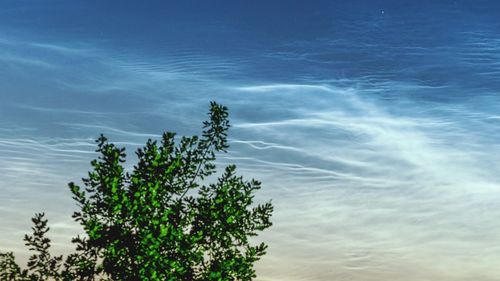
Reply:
x=160 y=221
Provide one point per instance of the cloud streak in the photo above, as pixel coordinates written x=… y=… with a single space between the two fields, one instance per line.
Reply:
x=377 y=173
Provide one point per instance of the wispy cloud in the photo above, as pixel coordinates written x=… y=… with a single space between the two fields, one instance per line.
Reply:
x=411 y=186
x=373 y=176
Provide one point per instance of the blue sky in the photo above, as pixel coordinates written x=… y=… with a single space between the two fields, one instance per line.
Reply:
x=373 y=125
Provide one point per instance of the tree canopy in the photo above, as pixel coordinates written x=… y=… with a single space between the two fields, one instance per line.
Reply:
x=159 y=221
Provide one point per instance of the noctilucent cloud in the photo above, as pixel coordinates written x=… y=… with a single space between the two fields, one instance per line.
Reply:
x=373 y=125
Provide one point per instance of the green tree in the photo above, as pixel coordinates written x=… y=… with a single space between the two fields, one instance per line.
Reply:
x=42 y=266
x=9 y=270
x=162 y=220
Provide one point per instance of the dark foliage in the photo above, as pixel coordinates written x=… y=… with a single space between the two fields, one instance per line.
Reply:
x=160 y=221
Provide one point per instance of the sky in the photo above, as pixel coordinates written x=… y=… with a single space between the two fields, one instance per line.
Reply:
x=373 y=125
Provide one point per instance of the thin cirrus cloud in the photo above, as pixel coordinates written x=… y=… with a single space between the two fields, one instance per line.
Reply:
x=366 y=187
x=443 y=207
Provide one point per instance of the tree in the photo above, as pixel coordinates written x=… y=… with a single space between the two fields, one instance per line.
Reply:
x=42 y=266
x=9 y=270
x=162 y=220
